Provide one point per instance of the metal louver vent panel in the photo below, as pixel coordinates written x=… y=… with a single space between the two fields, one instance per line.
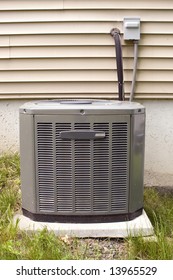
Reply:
x=82 y=176
x=64 y=183
x=82 y=172
x=101 y=170
x=119 y=166
x=45 y=167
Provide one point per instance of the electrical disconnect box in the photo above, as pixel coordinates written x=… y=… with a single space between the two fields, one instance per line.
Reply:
x=132 y=28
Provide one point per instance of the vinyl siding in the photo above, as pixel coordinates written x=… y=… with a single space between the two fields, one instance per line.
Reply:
x=56 y=49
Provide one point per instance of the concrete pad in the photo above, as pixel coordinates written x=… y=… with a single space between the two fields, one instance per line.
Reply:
x=139 y=226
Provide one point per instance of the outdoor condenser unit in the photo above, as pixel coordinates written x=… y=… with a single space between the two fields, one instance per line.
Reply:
x=82 y=160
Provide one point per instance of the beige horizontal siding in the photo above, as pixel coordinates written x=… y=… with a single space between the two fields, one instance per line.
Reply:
x=14 y=5
x=23 y=5
x=79 y=40
x=114 y=4
x=64 y=48
x=81 y=76
x=80 y=15
x=83 y=52
x=107 y=88
x=82 y=64
x=79 y=27
x=79 y=88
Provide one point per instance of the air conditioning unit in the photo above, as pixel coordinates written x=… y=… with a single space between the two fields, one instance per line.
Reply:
x=82 y=161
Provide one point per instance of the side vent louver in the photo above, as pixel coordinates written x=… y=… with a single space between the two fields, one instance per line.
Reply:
x=119 y=166
x=101 y=170
x=64 y=183
x=82 y=171
x=45 y=166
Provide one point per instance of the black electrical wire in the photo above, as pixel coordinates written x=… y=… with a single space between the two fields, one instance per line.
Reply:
x=119 y=61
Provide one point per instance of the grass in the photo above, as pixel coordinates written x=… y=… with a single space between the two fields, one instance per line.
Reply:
x=16 y=244
x=159 y=207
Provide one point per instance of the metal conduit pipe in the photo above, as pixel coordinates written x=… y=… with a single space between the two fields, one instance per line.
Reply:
x=134 y=70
